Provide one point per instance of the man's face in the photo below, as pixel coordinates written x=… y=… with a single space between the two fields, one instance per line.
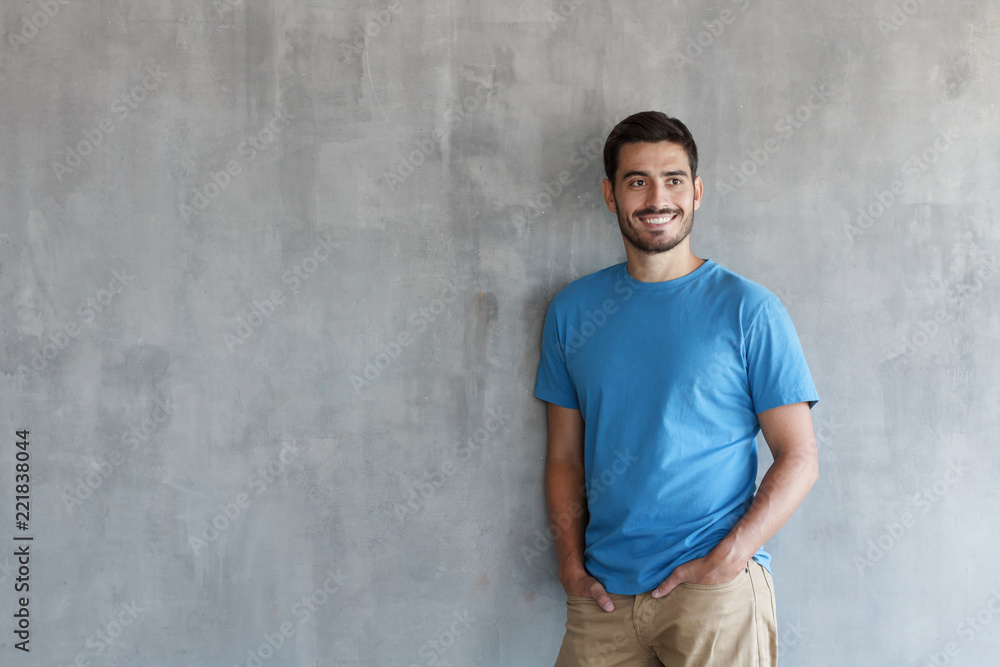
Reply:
x=653 y=195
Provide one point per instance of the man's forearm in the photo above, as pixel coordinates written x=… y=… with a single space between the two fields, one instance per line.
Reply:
x=781 y=491
x=567 y=501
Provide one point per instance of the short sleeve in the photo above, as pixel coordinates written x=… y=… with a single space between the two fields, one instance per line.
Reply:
x=553 y=383
x=776 y=365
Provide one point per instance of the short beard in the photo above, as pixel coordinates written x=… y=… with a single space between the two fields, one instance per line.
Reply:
x=631 y=233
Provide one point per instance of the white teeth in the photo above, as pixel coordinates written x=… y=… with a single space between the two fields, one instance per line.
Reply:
x=658 y=221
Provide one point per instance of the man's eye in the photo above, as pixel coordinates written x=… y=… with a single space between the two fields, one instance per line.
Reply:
x=638 y=181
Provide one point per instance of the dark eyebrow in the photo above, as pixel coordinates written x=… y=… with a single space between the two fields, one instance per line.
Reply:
x=644 y=174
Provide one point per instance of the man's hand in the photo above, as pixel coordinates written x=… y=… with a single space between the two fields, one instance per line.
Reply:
x=789 y=433
x=699 y=571
x=566 y=489
x=588 y=587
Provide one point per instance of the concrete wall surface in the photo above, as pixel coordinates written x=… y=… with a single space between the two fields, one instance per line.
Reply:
x=273 y=275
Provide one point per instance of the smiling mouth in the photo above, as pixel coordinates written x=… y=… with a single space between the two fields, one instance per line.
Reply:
x=658 y=220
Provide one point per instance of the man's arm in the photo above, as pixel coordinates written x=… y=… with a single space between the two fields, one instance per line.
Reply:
x=565 y=488
x=788 y=430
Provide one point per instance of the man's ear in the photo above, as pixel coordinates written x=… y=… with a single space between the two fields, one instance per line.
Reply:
x=699 y=189
x=609 y=196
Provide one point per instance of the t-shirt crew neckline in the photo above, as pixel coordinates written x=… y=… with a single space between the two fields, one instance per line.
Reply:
x=701 y=271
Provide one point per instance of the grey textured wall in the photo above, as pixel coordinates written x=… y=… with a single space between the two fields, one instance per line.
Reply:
x=273 y=281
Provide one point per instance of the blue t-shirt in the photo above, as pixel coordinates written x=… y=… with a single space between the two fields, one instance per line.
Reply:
x=669 y=378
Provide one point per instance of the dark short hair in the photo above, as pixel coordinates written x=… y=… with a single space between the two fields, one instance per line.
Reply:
x=652 y=127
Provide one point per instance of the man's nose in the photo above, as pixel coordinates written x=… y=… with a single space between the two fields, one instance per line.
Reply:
x=658 y=197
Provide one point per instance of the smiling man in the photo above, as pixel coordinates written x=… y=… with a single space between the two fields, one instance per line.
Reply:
x=674 y=364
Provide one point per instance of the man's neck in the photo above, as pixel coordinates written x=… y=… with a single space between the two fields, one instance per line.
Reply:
x=663 y=266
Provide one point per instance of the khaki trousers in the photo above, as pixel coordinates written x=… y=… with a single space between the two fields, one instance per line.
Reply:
x=696 y=625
